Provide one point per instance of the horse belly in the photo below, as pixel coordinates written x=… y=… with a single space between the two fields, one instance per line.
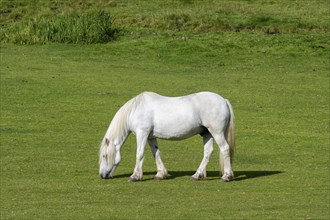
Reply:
x=176 y=128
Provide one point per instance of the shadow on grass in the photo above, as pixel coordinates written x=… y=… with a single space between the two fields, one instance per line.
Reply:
x=211 y=175
x=243 y=175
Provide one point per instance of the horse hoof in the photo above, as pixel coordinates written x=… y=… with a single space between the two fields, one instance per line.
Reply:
x=197 y=178
x=225 y=180
x=132 y=180
x=158 y=178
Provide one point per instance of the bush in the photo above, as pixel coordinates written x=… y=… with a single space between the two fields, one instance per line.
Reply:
x=95 y=27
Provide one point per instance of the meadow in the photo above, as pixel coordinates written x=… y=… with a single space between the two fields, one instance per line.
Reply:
x=269 y=58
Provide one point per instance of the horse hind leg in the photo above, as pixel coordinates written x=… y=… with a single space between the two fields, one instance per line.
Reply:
x=208 y=149
x=161 y=170
x=225 y=161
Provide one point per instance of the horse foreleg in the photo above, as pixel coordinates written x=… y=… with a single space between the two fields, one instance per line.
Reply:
x=161 y=170
x=208 y=149
x=141 y=140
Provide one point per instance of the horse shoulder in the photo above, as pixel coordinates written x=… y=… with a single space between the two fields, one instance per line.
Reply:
x=141 y=117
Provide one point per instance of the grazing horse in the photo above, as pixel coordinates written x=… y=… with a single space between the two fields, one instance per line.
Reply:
x=150 y=116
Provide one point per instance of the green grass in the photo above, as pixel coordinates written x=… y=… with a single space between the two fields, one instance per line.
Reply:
x=58 y=99
x=88 y=28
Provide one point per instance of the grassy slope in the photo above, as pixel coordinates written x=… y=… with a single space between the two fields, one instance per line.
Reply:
x=57 y=100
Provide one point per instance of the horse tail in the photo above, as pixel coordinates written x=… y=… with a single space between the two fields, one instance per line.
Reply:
x=230 y=137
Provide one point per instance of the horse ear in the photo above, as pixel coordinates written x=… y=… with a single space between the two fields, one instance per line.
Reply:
x=107 y=141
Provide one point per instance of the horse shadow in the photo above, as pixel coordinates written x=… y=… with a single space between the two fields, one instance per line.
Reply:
x=211 y=175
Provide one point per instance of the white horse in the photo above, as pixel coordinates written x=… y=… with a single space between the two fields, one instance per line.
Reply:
x=150 y=116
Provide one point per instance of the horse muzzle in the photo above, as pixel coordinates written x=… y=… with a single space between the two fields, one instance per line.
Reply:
x=108 y=174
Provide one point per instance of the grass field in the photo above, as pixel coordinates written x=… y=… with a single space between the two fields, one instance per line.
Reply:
x=270 y=59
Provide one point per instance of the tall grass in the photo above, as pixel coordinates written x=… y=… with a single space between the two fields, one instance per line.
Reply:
x=34 y=21
x=93 y=27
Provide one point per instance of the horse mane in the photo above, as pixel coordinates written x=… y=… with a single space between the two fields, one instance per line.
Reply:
x=118 y=129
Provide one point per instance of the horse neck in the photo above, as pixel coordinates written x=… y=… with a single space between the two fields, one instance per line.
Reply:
x=118 y=130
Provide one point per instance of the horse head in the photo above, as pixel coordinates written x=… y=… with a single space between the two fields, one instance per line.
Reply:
x=109 y=159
